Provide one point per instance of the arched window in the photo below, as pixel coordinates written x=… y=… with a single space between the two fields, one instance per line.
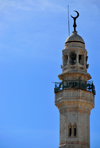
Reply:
x=74 y=130
x=72 y=56
x=81 y=59
x=69 y=130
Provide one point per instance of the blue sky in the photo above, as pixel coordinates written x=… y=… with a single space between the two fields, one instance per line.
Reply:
x=32 y=36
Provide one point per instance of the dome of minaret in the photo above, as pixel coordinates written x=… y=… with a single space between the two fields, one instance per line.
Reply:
x=74 y=37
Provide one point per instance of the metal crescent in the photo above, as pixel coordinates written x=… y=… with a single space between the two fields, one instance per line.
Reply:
x=77 y=14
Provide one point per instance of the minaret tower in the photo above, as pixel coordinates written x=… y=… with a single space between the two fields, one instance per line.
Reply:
x=74 y=95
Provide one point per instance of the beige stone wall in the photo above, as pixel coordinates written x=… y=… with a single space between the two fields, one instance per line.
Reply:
x=63 y=127
x=73 y=98
x=74 y=107
x=81 y=118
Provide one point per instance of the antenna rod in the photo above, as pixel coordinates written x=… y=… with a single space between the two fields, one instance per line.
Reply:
x=68 y=23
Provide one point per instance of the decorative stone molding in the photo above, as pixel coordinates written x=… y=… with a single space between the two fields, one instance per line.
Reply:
x=74 y=98
x=75 y=110
x=72 y=75
x=71 y=94
x=75 y=142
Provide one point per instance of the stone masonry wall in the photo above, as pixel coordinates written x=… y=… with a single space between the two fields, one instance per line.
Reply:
x=82 y=120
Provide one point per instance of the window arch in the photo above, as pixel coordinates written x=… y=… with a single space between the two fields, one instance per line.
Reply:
x=74 y=130
x=81 y=59
x=69 y=130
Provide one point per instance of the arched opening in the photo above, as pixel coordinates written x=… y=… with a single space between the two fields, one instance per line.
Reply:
x=81 y=59
x=74 y=130
x=72 y=56
x=69 y=130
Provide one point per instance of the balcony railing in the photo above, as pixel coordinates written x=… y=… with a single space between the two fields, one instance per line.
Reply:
x=74 y=84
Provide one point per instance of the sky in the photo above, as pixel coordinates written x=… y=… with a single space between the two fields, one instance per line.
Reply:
x=32 y=37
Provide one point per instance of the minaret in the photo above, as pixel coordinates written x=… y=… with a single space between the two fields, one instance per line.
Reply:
x=74 y=95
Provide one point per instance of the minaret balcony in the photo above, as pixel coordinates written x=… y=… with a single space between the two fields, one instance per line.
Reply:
x=74 y=84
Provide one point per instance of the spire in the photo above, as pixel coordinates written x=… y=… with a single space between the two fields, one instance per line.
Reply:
x=74 y=18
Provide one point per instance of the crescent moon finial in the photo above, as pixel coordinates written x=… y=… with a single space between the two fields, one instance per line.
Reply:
x=74 y=25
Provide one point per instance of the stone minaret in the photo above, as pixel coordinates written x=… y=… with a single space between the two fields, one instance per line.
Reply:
x=74 y=95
